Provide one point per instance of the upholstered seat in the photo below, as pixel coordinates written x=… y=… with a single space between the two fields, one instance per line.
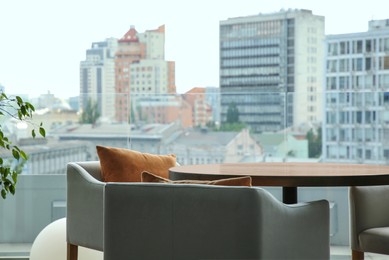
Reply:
x=369 y=220
x=189 y=221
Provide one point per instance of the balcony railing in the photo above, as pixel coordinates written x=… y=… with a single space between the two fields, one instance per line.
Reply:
x=200 y=128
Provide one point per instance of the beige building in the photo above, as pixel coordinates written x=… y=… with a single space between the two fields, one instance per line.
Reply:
x=201 y=110
x=141 y=69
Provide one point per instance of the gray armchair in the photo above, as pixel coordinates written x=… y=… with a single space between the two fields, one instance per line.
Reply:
x=369 y=220
x=171 y=221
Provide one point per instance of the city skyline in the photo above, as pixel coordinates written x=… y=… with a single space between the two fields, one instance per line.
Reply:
x=43 y=43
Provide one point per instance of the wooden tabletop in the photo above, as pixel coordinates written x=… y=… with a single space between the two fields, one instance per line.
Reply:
x=289 y=174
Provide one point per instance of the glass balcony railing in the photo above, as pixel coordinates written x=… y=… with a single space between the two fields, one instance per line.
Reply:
x=202 y=127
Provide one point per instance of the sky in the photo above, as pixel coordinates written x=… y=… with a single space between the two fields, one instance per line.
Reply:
x=43 y=41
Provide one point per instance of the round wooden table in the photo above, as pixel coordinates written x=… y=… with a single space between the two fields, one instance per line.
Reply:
x=288 y=175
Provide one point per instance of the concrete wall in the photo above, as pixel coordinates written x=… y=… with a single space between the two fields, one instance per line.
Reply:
x=39 y=200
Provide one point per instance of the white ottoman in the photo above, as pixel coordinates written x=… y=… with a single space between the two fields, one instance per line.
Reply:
x=51 y=244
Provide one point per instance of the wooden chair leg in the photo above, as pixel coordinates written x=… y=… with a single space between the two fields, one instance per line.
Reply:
x=357 y=255
x=72 y=252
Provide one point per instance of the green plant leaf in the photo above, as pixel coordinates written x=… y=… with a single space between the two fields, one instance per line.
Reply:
x=19 y=99
x=15 y=154
x=23 y=155
x=15 y=177
x=12 y=189
x=33 y=134
x=42 y=131
x=3 y=193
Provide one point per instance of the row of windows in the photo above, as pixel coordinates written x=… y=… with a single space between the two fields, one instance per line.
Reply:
x=358 y=46
x=253 y=99
x=354 y=117
x=270 y=42
x=250 y=61
x=250 y=80
x=251 y=29
x=357 y=82
x=250 y=52
x=356 y=134
x=342 y=152
x=358 y=64
x=358 y=99
x=250 y=71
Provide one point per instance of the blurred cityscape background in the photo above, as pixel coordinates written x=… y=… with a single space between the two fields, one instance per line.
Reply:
x=287 y=92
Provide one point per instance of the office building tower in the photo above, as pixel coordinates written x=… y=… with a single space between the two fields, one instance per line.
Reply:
x=271 y=69
x=141 y=70
x=97 y=78
x=356 y=127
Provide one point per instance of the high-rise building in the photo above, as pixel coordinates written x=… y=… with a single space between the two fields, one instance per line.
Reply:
x=271 y=69
x=141 y=69
x=356 y=126
x=97 y=77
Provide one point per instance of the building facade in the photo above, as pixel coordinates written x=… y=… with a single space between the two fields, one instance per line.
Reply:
x=163 y=109
x=202 y=146
x=202 y=110
x=356 y=127
x=97 y=77
x=141 y=69
x=271 y=68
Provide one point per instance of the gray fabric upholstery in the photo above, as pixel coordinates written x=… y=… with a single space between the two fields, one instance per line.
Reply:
x=166 y=221
x=85 y=198
x=369 y=219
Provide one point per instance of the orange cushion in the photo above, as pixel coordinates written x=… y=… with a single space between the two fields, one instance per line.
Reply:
x=238 y=181
x=124 y=165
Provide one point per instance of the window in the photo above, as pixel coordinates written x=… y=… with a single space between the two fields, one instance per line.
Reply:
x=368 y=46
x=343 y=65
x=358 y=46
x=344 y=47
x=384 y=44
x=333 y=49
x=357 y=64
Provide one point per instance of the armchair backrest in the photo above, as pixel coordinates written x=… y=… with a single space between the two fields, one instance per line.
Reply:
x=167 y=221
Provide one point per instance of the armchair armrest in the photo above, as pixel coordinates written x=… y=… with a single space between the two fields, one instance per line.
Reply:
x=297 y=231
x=369 y=208
x=85 y=199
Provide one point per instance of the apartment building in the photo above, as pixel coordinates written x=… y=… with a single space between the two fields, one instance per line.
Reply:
x=356 y=126
x=141 y=69
x=271 y=68
x=97 y=77
x=163 y=109
x=202 y=110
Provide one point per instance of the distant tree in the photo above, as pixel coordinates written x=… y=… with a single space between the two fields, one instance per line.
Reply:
x=314 y=143
x=234 y=127
x=232 y=114
x=91 y=113
x=21 y=111
x=291 y=153
x=232 y=123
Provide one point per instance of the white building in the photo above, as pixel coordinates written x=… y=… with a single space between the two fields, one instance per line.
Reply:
x=356 y=128
x=150 y=77
x=97 y=77
x=271 y=68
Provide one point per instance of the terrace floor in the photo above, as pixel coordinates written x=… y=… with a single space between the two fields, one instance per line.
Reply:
x=22 y=251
